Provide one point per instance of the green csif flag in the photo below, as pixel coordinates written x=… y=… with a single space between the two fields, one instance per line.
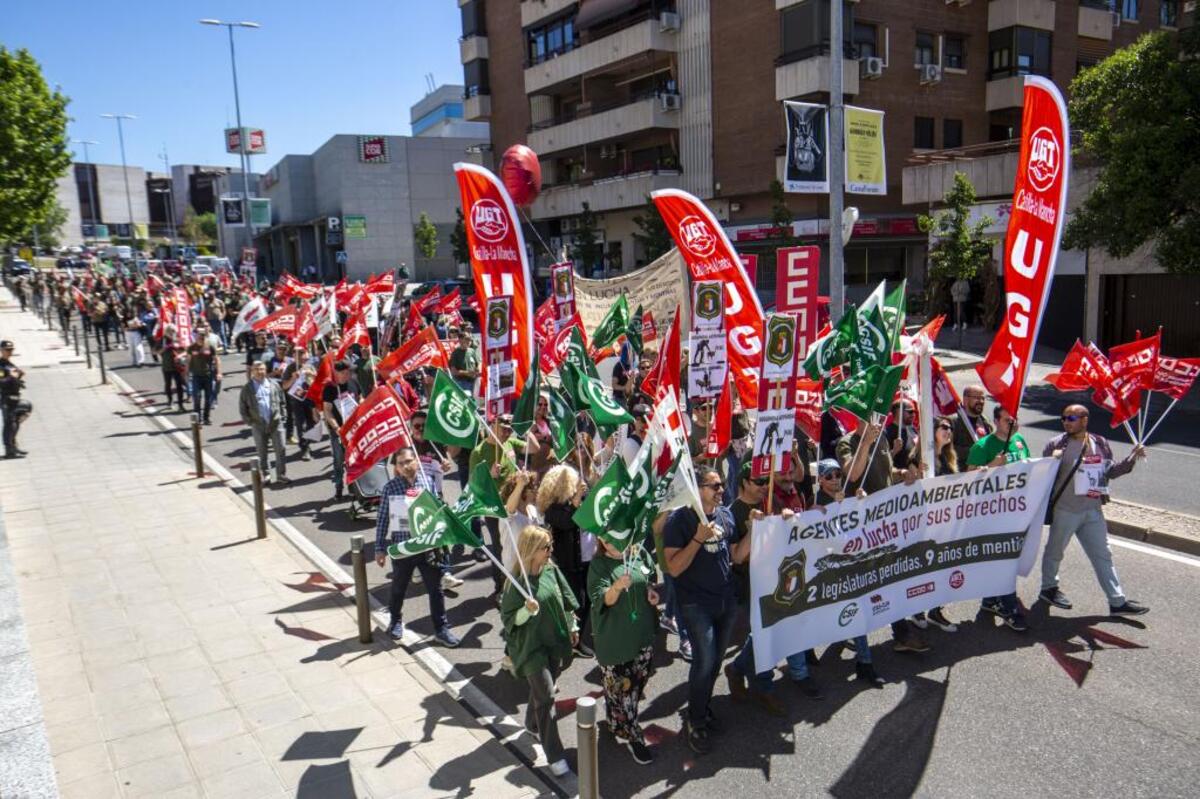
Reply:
x=872 y=346
x=480 y=497
x=633 y=333
x=432 y=525
x=634 y=501
x=562 y=425
x=833 y=349
x=577 y=353
x=526 y=405
x=452 y=419
x=613 y=325
x=866 y=393
x=601 y=503
x=588 y=393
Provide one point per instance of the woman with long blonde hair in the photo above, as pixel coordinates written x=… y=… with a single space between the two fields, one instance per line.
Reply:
x=558 y=498
x=540 y=633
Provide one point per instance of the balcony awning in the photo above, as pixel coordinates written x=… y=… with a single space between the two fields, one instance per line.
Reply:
x=593 y=12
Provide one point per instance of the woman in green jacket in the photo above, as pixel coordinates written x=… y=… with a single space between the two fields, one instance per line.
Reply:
x=624 y=624
x=540 y=633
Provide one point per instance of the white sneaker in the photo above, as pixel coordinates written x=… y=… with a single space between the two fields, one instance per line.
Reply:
x=450 y=581
x=919 y=620
x=559 y=768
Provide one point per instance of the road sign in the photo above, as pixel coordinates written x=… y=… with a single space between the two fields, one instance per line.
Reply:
x=342 y=258
x=356 y=226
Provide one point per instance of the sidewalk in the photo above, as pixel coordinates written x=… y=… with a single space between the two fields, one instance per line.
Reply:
x=176 y=656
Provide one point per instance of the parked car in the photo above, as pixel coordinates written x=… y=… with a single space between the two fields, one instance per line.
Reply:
x=18 y=267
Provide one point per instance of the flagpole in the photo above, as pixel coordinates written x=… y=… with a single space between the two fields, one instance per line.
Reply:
x=1159 y=421
x=506 y=572
x=513 y=540
x=962 y=414
x=1145 y=414
x=1132 y=438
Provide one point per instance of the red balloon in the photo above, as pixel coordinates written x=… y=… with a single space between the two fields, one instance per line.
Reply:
x=521 y=174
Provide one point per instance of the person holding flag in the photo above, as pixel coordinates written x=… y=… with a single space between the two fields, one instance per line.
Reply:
x=392 y=528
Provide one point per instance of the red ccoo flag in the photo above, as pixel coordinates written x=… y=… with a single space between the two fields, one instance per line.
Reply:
x=374 y=431
x=424 y=349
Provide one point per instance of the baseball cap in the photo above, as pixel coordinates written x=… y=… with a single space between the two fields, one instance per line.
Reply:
x=6 y=345
x=506 y=420
x=640 y=411
x=827 y=466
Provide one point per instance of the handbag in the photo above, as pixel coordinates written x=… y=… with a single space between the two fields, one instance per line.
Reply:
x=1057 y=494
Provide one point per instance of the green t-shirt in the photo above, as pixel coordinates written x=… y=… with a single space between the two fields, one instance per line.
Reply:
x=545 y=639
x=466 y=360
x=985 y=449
x=629 y=626
x=488 y=452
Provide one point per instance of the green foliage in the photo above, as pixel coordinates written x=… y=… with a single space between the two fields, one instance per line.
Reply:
x=653 y=234
x=49 y=227
x=425 y=236
x=781 y=215
x=198 y=228
x=961 y=248
x=1139 y=113
x=207 y=223
x=587 y=251
x=458 y=239
x=33 y=144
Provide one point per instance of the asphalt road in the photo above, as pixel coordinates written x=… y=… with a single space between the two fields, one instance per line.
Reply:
x=1082 y=705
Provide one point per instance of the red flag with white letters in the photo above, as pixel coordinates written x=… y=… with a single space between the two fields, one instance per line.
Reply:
x=424 y=349
x=281 y=323
x=374 y=431
x=664 y=374
x=356 y=332
x=306 y=326
x=1174 y=376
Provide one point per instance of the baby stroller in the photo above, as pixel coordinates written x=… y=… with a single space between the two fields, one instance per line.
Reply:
x=365 y=491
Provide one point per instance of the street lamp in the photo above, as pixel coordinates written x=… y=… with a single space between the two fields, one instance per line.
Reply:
x=91 y=184
x=170 y=197
x=124 y=170
x=237 y=105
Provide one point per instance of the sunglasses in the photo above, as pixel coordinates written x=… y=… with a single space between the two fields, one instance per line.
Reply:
x=714 y=486
x=1073 y=417
x=760 y=481
x=945 y=427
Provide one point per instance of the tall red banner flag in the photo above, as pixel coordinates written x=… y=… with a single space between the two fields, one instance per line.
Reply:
x=498 y=259
x=1031 y=243
x=710 y=256
x=797 y=272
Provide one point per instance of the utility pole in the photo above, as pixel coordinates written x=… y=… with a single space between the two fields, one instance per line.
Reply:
x=170 y=198
x=837 y=164
x=125 y=174
x=91 y=185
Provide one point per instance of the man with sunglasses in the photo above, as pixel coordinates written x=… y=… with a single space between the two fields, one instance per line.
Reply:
x=699 y=556
x=1081 y=486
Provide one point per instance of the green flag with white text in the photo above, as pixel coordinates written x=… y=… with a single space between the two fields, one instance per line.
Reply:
x=594 y=397
x=600 y=503
x=527 y=403
x=562 y=425
x=633 y=333
x=432 y=525
x=452 y=419
x=866 y=393
x=480 y=497
x=613 y=325
x=577 y=353
x=833 y=349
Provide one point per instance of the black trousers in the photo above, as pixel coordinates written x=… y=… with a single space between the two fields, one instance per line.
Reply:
x=15 y=411
x=431 y=576
x=170 y=378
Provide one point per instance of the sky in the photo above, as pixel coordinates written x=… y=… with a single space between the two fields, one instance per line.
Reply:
x=314 y=69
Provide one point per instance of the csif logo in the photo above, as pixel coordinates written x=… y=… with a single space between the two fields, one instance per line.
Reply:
x=1045 y=159
x=489 y=221
x=697 y=236
x=848 y=613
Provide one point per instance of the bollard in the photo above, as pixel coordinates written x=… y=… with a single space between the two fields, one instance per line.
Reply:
x=260 y=508
x=87 y=348
x=75 y=336
x=585 y=719
x=197 y=451
x=103 y=373
x=360 y=589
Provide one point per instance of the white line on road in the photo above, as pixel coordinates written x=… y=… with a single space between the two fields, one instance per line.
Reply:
x=1162 y=553
x=1153 y=449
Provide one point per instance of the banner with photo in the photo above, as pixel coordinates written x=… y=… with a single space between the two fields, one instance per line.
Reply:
x=845 y=569
x=659 y=287
x=776 y=424
x=707 y=361
x=498 y=353
x=866 y=164
x=562 y=278
x=232 y=212
x=806 y=165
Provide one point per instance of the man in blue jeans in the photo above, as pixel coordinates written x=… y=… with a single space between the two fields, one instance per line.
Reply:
x=698 y=556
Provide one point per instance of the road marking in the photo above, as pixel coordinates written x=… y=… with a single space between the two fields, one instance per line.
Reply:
x=1160 y=448
x=1185 y=559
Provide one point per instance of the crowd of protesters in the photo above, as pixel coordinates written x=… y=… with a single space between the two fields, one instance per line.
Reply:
x=692 y=577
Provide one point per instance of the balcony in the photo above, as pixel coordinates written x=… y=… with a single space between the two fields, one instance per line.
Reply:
x=810 y=75
x=1005 y=93
x=990 y=167
x=477 y=107
x=1095 y=22
x=471 y=48
x=639 y=115
x=626 y=43
x=603 y=194
x=1027 y=13
x=533 y=11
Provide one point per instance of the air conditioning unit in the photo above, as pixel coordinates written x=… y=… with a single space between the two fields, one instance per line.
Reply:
x=931 y=73
x=870 y=68
x=668 y=21
x=1116 y=19
x=670 y=102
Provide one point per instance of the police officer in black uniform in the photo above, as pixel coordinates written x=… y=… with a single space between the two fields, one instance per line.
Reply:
x=15 y=409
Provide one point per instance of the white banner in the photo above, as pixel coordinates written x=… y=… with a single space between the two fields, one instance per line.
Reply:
x=708 y=364
x=659 y=287
x=843 y=570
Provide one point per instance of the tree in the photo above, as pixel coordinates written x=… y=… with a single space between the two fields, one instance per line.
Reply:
x=1139 y=112
x=781 y=215
x=207 y=223
x=586 y=251
x=653 y=236
x=189 y=231
x=425 y=236
x=33 y=144
x=961 y=249
x=458 y=239
x=49 y=227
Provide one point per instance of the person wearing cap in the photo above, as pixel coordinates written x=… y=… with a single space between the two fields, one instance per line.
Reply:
x=12 y=380
x=636 y=433
x=464 y=364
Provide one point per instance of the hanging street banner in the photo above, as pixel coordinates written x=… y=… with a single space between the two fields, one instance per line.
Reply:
x=710 y=256
x=797 y=273
x=776 y=425
x=562 y=278
x=498 y=257
x=840 y=571
x=866 y=165
x=233 y=213
x=498 y=353
x=806 y=170
x=1031 y=243
x=707 y=364
x=260 y=212
x=661 y=286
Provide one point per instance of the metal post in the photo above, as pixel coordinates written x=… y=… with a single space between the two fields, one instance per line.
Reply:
x=837 y=165
x=360 y=589
x=75 y=336
x=589 y=772
x=103 y=373
x=260 y=508
x=87 y=348
x=197 y=444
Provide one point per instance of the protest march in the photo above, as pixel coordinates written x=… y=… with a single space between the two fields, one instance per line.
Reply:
x=660 y=450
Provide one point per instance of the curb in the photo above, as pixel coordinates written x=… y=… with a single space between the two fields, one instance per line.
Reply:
x=510 y=732
x=1159 y=538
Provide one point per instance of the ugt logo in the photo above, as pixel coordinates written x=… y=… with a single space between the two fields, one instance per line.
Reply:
x=1045 y=159
x=697 y=236
x=489 y=221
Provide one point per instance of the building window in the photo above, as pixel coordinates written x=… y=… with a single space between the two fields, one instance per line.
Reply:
x=1129 y=9
x=951 y=133
x=1168 y=13
x=804 y=30
x=864 y=40
x=552 y=39
x=473 y=22
x=1018 y=51
x=923 y=133
x=923 y=53
x=955 y=53
x=475 y=78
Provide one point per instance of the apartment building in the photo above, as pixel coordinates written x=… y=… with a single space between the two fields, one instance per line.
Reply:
x=621 y=97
